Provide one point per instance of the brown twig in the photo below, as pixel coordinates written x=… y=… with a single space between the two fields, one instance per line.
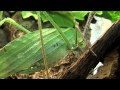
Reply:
x=42 y=43
x=83 y=39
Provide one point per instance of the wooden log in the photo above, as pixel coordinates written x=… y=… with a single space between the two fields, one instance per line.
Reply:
x=110 y=67
x=84 y=63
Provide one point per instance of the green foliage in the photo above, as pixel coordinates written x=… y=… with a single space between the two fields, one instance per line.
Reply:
x=61 y=18
x=111 y=15
x=11 y=21
x=79 y=14
x=27 y=14
x=115 y=15
x=25 y=51
x=99 y=12
x=57 y=28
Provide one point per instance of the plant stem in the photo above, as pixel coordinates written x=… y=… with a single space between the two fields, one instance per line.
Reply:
x=42 y=43
x=58 y=29
x=11 y=21
x=76 y=38
x=90 y=17
x=1 y=15
x=83 y=39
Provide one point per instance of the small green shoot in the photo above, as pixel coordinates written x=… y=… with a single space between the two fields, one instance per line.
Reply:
x=11 y=21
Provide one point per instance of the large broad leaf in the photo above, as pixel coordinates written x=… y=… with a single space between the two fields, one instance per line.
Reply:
x=62 y=18
x=79 y=14
x=27 y=14
x=23 y=52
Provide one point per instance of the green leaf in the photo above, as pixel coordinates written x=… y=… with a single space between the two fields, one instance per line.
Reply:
x=115 y=15
x=27 y=14
x=99 y=12
x=22 y=53
x=111 y=15
x=79 y=14
x=61 y=18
